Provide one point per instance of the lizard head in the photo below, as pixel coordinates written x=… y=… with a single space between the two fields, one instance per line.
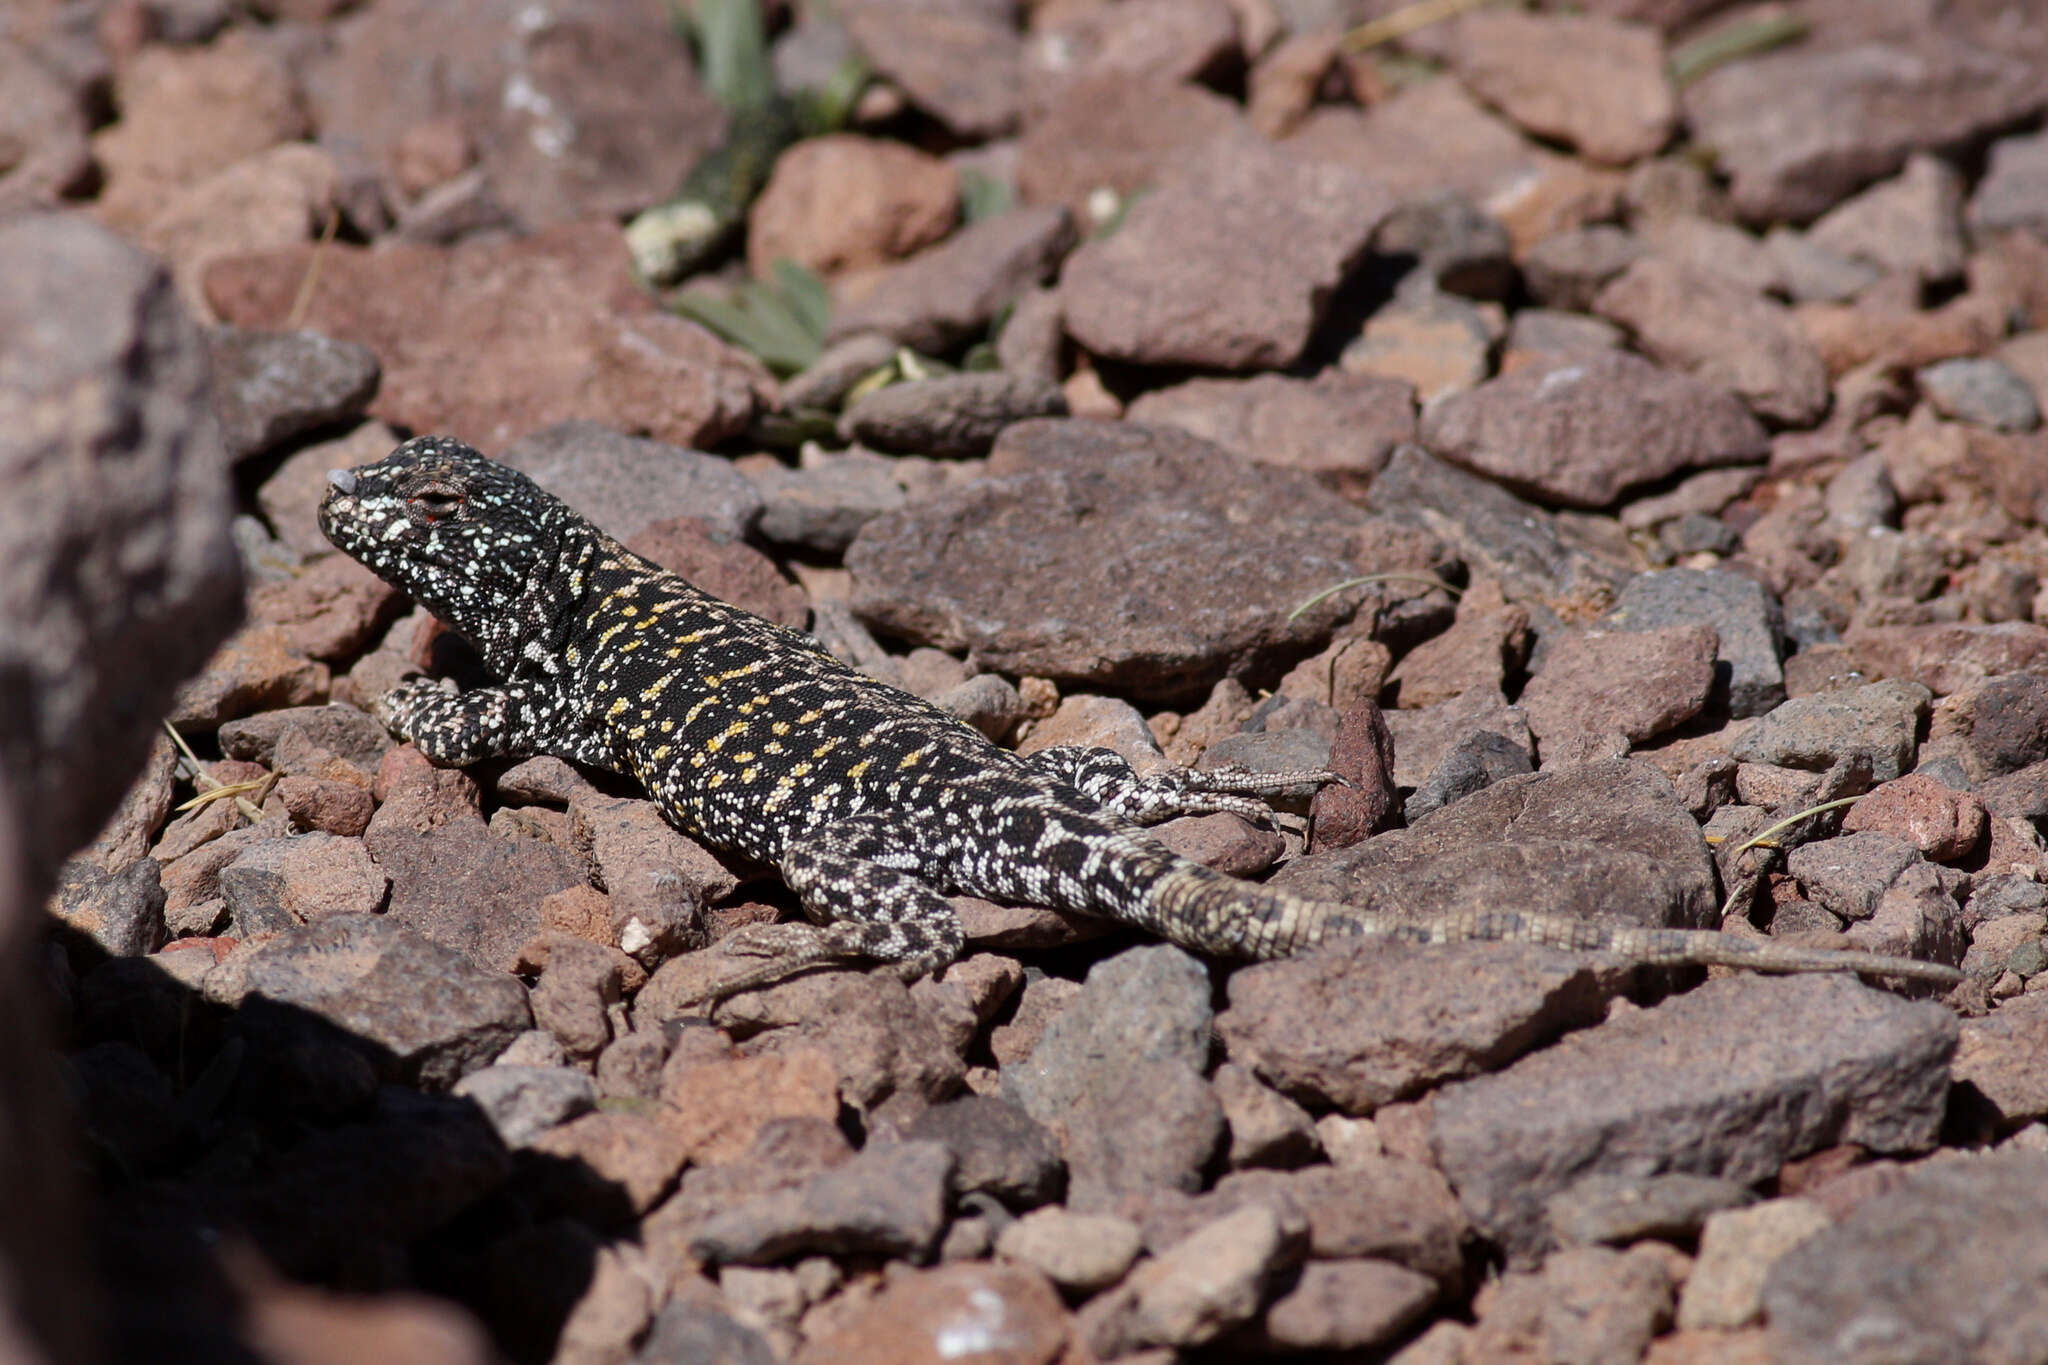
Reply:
x=464 y=536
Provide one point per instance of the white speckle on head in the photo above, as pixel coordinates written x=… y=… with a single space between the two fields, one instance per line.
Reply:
x=394 y=530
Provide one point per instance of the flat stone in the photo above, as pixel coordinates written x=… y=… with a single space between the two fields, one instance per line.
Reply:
x=1346 y=1305
x=1229 y=267
x=1363 y=1024
x=2014 y=190
x=948 y=294
x=1592 y=82
x=1618 y=1209
x=950 y=417
x=594 y=112
x=626 y=484
x=959 y=63
x=1999 y=1056
x=1981 y=391
x=1948 y=658
x=1580 y=434
x=1109 y=137
x=271 y=386
x=1078 y=1251
x=1911 y=224
x=1980 y=1297
x=425 y=1014
x=120 y=912
x=1662 y=1090
x=1006 y=1312
x=493 y=339
x=890 y=1200
x=1340 y=427
x=1878 y=722
x=997 y=1148
x=1796 y=131
x=1943 y=824
x=1117 y=1077
x=1162 y=613
x=717 y=1108
x=1721 y=332
x=1640 y=683
x=1747 y=621
x=1423 y=739
x=283 y=883
x=523 y=1101
x=1471 y=765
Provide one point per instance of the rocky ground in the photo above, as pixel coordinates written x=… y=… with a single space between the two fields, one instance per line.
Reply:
x=1607 y=433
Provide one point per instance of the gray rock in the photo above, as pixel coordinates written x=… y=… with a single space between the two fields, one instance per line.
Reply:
x=116 y=523
x=345 y=731
x=1345 y=1305
x=522 y=1101
x=890 y=1200
x=1361 y=1025
x=1424 y=737
x=1961 y=1232
x=1814 y=274
x=2014 y=190
x=1619 y=1209
x=1129 y=556
x=283 y=883
x=1745 y=616
x=1981 y=391
x=1566 y=269
x=1340 y=427
x=954 y=416
x=1911 y=224
x=1637 y=684
x=826 y=382
x=822 y=507
x=997 y=1149
x=1662 y=1090
x=120 y=911
x=1119 y=1072
x=426 y=1013
x=625 y=484
x=1473 y=764
x=1879 y=721
x=271 y=386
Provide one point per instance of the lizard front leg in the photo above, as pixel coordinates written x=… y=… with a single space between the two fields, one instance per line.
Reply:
x=1104 y=777
x=454 y=728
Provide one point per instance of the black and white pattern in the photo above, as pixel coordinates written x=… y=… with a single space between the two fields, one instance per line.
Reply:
x=872 y=803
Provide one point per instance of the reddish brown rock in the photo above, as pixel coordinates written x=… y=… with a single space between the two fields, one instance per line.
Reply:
x=918 y=1319
x=329 y=612
x=1944 y=825
x=841 y=203
x=273 y=198
x=1229 y=267
x=1489 y=637
x=716 y=1108
x=1798 y=130
x=1118 y=135
x=188 y=112
x=1363 y=804
x=256 y=670
x=949 y=293
x=1586 y=80
x=1340 y=427
x=582 y=110
x=957 y=62
x=1169 y=40
x=1719 y=331
x=1640 y=683
x=494 y=340
x=1582 y=433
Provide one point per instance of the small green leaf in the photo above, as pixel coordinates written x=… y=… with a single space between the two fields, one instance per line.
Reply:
x=732 y=52
x=983 y=196
x=807 y=295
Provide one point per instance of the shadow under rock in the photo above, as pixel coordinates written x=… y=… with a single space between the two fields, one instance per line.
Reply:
x=239 y=1157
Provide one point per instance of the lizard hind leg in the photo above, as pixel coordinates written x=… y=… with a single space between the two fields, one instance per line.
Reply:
x=1106 y=778
x=866 y=906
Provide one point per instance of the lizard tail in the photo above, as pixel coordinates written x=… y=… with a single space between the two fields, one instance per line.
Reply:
x=1220 y=915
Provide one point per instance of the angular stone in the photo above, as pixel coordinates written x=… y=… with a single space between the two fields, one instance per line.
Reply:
x=1160 y=519
x=1340 y=427
x=493 y=339
x=888 y=1201
x=271 y=386
x=1909 y=225
x=1722 y=333
x=116 y=524
x=1471 y=765
x=425 y=1014
x=1944 y=825
x=1361 y=1025
x=926 y=1315
x=1877 y=722
x=1078 y=1251
x=957 y=62
x=1345 y=1305
x=948 y=294
x=1228 y=268
x=1586 y=80
x=717 y=1108
x=1983 y=392
x=122 y=912
x=1115 y=135
x=626 y=485
x=1979 y=1297
x=1424 y=739
x=1737 y=1250
x=1640 y=682
x=523 y=1101
x=1999 y=1057
x=1581 y=434
x=1663 y=1090
x=1947 y=658
x=1117 y=1078
x=1746 y=620
x=1796 y=131
x=283 y=883
x=590 y=111
x=997 y=1148
x=2014 y=190
x=1209 y=1282
x=1587 y=1303
x=950 y=417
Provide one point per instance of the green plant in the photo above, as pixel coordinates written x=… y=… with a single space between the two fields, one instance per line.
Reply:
x=782 y=319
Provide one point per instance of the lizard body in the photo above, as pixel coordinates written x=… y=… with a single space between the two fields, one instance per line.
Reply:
x=871 y=803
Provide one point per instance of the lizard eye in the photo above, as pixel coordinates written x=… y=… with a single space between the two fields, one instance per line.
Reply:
x=434 y=504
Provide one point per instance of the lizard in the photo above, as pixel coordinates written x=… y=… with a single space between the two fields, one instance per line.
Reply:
x=872 y=804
